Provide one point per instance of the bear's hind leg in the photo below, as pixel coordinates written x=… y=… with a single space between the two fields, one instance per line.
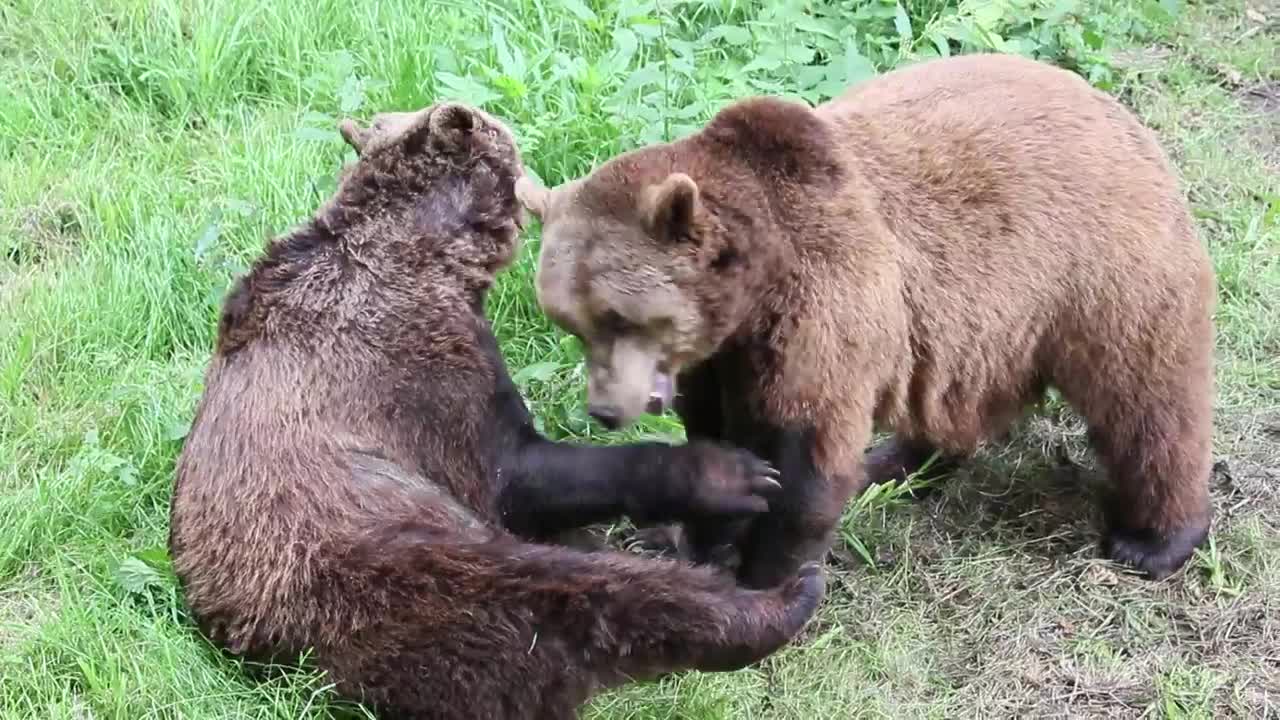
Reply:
x=505 y=629
x=1159 y=513
x=899 y=457
x=1155 y=440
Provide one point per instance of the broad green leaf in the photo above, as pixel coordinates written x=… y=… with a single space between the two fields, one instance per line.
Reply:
x=800 y=54
x=988 y=15
x=732 y=34
x=625 y=45
x=1059 y=11
x=579 y=10
x=766 y=61
x=650 y=73
x=817 y=26
x=127 y=474
x=1272 y=215
x=215 y=295
x=157 y=558
x=311 y=117
x=695 y=109
x=509 y=86
x=1172 y=7
x=135 y=576
x=209 y=236
x=507 y=60
x=316 y=134
x=902 y=23
x=830 y=87
x=628 y=9
x=324 y=185
x=177 y=431
x=647 y=30
x=540 y=371
x=808 y=76
x=940 y=42
x=466 y=89
x=351 y=95
x=856 y=66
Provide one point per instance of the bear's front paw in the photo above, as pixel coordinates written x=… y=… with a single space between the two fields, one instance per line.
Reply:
x=727 y=482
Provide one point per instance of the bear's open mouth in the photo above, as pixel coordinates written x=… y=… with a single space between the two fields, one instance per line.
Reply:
x=660 y=396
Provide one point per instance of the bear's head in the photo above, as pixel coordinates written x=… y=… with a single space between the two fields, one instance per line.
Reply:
x=654 y=270
x=445 y=174
x=626 y=254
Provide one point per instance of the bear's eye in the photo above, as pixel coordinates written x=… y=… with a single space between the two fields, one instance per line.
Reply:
x=613 y=323
x=662 y=324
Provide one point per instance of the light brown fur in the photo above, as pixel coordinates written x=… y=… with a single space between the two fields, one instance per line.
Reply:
x=926 y=253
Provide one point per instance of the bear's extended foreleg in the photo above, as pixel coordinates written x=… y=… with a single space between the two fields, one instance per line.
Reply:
x=547 y=487
x=551 y=486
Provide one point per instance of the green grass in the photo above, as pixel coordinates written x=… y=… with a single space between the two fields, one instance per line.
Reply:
x=148 y=149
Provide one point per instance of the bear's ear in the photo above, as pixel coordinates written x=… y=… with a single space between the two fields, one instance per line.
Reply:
x=533 y=196
x=451 y=124
x=668 y=207
x=356 y=136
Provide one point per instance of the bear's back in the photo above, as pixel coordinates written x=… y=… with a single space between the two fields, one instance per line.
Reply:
x=928 y=82
x=1001 y=159
x=309 y=436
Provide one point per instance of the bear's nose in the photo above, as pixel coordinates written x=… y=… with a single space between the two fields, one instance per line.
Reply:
x=606 y=416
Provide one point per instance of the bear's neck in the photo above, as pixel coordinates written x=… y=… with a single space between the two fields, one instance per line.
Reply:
x=411 y=244
x=316 y=272
x=761 y=253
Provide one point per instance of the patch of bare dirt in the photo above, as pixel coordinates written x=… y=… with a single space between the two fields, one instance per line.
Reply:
x=1149 y=59
x=42 y=231
x=21 y=609
x=1263 y=101
x=32 y=236
x=1021 y=617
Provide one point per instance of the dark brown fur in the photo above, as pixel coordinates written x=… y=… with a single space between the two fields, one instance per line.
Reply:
x=926 y=254
x=363 y=481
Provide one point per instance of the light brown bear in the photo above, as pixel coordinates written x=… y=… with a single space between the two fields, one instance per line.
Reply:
x=925 y=254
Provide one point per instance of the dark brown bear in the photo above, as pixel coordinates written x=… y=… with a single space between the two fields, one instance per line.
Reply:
x=926 y=254
x=363 y=480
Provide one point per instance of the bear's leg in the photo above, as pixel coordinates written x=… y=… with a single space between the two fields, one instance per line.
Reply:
x=545 y=487
x=1159 y=462
x=533 y=630
x=548 y=487
x=1152 y=430
x=801 y=521
x=899 y=457
x=699 y=404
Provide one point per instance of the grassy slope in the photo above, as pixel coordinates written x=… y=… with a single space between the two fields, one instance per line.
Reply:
x=142 y=157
